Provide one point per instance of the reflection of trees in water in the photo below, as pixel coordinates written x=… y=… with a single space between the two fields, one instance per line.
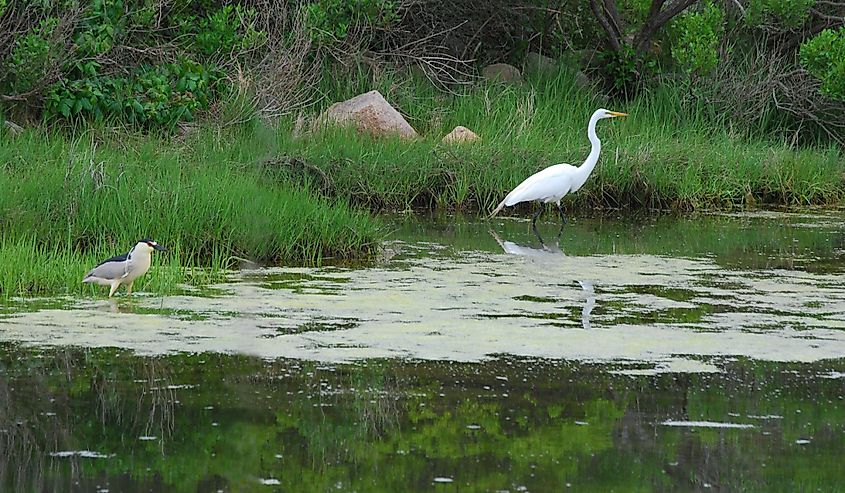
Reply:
x=157 y=402
x=21 y=454
x=380 y=407
x=73 y=400
x=335 y=421
x=382 y=425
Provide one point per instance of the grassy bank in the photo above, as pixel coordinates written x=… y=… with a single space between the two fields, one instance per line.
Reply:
x=276 y=194
x=67 y=203
x=665 y=155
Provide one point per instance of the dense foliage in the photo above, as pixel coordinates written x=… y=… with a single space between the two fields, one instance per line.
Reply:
x=122 y=60
x=824 y=57
x=156 y=64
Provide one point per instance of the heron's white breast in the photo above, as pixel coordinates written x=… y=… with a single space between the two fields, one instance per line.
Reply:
x=138 y=265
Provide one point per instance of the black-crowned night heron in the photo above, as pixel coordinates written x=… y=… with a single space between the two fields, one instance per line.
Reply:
x=124 y=269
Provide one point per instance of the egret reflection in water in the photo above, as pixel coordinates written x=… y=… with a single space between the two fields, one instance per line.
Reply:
x=513 y=248
x=590 y=291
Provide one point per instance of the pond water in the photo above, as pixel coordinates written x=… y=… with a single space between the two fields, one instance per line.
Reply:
x=638 y=353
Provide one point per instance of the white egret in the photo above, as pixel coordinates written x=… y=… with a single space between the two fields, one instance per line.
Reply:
x=552 y=183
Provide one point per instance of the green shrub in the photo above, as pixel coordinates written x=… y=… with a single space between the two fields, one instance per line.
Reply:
x=226 y=30
x=331 y=20
x=790 y=13
x=635 y=12
x=161 y=95
x=124 y=60
x=824 y=57
x=625 y=68
x=697 y=39
x=31 y=57
x=102 y=24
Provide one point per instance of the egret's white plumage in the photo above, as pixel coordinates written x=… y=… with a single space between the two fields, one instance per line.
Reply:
x=554 y=182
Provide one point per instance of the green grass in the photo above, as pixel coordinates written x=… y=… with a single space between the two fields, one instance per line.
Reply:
x=271 y=195
x=665 y=155
x=28 y=267
x=67 y=203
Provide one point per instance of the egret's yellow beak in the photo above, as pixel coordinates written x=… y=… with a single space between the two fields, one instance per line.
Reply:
x=616 y=113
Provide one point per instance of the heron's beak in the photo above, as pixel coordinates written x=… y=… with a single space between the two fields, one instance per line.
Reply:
x=616 y=113
x=159 y=248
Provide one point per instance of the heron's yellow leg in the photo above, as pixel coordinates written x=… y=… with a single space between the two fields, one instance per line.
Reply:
x=114 y=287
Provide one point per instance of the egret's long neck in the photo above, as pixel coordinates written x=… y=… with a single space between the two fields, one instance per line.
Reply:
x=585 y=169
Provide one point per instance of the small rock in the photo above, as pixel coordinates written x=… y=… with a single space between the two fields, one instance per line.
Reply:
x=535 y=62
x=582 y=80
x=13 y=127
x=502 y=72
x=299 y=126
x=371 y=114
x=589 y=58
x=460 y=134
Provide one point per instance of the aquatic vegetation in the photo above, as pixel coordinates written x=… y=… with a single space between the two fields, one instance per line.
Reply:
x=714 y=357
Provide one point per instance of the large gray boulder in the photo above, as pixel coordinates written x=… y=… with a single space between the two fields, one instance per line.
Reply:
x=535 y=62
x=501 y=72
x=589 y=58
x=370 y=113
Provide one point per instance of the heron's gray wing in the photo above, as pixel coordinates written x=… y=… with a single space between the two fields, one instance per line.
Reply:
x=113 y=268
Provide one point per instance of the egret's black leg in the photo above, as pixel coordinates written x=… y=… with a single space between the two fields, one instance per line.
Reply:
x=562 y=220
x=534 y=221
x=542 y=241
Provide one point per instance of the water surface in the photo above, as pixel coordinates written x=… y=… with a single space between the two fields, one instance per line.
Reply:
x=647 y=353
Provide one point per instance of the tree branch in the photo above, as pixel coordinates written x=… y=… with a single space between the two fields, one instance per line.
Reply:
x=612 y=15
x=613 y=40
x=800 y=37
x=657 y=18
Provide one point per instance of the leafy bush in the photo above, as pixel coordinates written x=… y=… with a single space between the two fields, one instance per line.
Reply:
x=331 y=20
x=824 y=57
x=625 y=68
x=102 y=24
x=159 y=95
x=226 y=30
x=790 y=13
x=31 y=57
x=121 y=60
x=697 y=39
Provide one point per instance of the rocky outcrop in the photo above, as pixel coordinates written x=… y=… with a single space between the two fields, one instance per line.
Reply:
x=502 y=72
x=535 y=62
x=370 y=113
x=460 y=134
